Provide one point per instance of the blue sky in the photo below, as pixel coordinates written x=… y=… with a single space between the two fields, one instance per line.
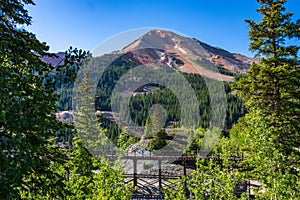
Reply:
x=86 y=23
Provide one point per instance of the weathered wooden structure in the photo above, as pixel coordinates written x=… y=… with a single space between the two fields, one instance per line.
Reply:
x=151 y=186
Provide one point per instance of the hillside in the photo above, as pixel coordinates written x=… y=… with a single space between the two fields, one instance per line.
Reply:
x=186 y=54
x=194 y=59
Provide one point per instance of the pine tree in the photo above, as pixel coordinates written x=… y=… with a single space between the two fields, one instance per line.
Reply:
x=88 y=127
x=273 y=81
x=272 y=85
x=90 y=175
x=155 y=128
x=27 y=107
x=268 y=136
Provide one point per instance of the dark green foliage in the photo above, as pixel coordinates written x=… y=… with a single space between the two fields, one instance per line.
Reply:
x=125 y=140
x=275 y=79
x=112 y=129
x=272 y=85
x=27 y=107
x=267 y=138
x=140 y=104
x=269 y=37
x=225 y=71
x=88 y=173
x=32 y=166
x=154 y=129
x=88 y=178
x=109 y=78
x=158 y=141
x=269 y=135
x=65 y=75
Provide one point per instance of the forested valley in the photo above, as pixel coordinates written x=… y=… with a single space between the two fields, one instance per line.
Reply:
x=42 y=157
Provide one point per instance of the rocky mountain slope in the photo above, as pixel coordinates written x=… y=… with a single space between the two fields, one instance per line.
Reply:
x=186 y=54
x=182 y=53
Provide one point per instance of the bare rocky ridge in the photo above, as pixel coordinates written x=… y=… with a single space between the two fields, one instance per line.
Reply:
x=187 y=54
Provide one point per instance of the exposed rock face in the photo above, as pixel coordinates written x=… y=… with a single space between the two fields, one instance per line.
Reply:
x=188 y=54
x=182 y=53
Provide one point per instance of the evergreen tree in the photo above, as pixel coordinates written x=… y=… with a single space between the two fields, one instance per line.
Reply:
x=158 y=141
x=88 y=127
x=154 y=128
x=27 y=107
x=268 y=136
x=88 y=178
x=90 y=175
x=274 y=80
x=272 y=85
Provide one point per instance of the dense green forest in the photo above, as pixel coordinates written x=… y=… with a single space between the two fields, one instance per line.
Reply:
x=140 y=104
x=34 y=166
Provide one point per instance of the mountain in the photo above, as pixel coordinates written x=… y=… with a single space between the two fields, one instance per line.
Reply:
x=157 y=47
x=55 y=61
x=186 y=54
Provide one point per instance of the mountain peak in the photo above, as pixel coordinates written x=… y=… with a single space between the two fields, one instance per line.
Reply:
x=188 y=54
x=185 y=54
